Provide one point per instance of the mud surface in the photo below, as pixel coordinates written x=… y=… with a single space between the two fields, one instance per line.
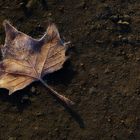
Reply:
x=102 y=76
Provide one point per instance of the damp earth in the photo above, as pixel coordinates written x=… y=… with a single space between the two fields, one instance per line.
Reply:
x=102 y=76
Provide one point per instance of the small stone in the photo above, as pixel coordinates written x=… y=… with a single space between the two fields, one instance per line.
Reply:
x=12 y=138
x=81 y=64
x=56 y=129
x=49 y=14
x=21 y=4
x=114 y=18
x=123 y=53
x=25 y=98
x=120 y=22
x=92 y=90
x=82 y=5
x=33 y=90
x=107 y=70
x=38 y=114
x=137 y=91
x=36 y=127
x=124 y=39
x=61 y=9
x=126 y=18
x=137 y=59
x=122 y=122
x=109 y=119
x=20 y=120
x=120 y=36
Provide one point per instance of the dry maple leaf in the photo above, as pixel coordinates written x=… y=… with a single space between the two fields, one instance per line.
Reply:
x=26 y=60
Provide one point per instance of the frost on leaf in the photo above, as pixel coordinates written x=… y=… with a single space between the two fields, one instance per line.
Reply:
x=26 y=59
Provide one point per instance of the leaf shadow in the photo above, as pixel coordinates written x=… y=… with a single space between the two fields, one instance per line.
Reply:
x=62 y=76
x=74 y=114
x=19 y=99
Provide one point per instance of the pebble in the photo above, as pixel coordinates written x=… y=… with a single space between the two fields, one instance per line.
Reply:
x=137 y=59
x=36 y=127
x=82 y=64
x=38 y=114
x=126 y=18
x=92 y=90
x=25 y=97
x=61 y=9
x=81 y=5
x=56 y=129
x=12 y=138
x=33 y=90
x=49 y=14
x=107 y=70
x=114 y=18
x=120 y=22
x=137 y=91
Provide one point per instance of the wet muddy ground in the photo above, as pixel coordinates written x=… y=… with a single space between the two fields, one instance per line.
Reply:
x=102 y=76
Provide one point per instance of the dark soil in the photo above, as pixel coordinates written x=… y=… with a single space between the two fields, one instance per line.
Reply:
x=102 y=76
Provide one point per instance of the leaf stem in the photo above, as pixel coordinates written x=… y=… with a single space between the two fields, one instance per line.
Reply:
x=55 y=94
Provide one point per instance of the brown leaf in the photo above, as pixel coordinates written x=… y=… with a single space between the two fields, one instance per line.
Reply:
x=26 y=60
